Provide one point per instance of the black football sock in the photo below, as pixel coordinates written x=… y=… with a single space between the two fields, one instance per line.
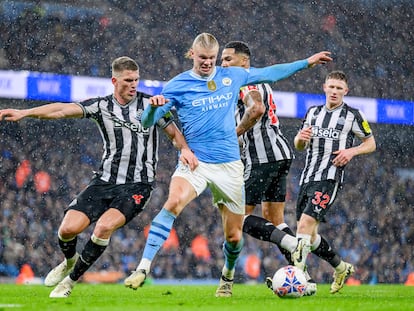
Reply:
x=325 y=252
x=288 y=231
x=89 y=255
x=262 y=229
x=285 y=252
x=68 y=247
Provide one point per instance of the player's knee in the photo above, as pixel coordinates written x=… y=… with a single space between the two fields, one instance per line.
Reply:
x=104 y=229
x=68 y=232
x=234 y=236
x=275 y=219
x=174 y=205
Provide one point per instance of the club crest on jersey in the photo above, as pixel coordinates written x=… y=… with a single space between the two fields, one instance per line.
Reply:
x=211 y=85
x=341 y=121
x=226 y=81
x=138 y=116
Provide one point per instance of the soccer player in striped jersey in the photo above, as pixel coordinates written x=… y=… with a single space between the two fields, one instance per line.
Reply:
x=327 y=134
x=267 y=159
x=205 y=98
x=121 y=188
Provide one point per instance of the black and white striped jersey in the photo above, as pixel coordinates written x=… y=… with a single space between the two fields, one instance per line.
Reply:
x=264 y=143
x=130 y=150
x=332 y=130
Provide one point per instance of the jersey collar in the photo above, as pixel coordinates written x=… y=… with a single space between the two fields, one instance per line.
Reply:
x=210 y=77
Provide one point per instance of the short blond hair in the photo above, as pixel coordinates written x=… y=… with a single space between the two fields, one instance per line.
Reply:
x=204 y=40
x=123 y=63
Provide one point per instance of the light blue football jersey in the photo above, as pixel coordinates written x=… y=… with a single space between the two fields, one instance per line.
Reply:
x=206 y=106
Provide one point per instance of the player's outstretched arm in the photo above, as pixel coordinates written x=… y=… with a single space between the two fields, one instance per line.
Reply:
x=320 y=58
x=49 y=111
x=11 y=115
x=279 y=72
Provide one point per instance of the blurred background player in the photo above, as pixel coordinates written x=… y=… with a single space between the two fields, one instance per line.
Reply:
x=327 y=133
x=122 y=186
x=267 y=157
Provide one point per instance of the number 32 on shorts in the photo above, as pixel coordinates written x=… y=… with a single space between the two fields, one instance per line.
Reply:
x=321 y=199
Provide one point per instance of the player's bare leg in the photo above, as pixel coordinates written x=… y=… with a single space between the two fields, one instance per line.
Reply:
x=232 y=225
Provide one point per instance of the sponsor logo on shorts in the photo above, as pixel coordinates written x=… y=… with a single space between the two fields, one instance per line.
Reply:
x=137 y=198
x=183 y=168
x=317 y=210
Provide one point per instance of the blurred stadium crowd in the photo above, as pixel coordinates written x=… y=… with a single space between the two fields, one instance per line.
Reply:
x=44 y=164
x=370 y=40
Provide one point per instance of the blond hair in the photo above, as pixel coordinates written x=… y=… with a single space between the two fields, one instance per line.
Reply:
x=204 y=40
x=123 y=63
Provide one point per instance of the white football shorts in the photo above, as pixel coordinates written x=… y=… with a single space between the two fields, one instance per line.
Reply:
x=225 y=181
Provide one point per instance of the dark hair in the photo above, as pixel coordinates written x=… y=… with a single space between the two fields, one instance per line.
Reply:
x=239 y=47
x=338 y=75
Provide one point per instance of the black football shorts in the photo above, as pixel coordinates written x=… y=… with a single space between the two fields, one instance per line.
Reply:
x=315 y=198
x=99 y=196
x=266 y=182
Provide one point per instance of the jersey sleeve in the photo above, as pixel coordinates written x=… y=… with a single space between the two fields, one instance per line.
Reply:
x=151 y=115
x=306 y=122
x=165 y=120
x=276 y=72
x=90 y=107
x=361 y=126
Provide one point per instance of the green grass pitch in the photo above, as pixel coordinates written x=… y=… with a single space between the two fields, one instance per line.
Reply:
x=188 y=297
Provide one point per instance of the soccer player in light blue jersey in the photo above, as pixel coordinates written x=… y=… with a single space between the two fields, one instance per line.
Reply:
x=205 y=99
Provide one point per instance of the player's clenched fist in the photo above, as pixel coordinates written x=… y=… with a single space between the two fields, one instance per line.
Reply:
x=158 y=100
x=10 y=115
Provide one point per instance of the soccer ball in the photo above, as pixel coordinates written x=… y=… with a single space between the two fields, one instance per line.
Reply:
x=289 y=282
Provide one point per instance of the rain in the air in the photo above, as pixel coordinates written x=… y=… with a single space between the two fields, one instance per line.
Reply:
x=63 y=51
